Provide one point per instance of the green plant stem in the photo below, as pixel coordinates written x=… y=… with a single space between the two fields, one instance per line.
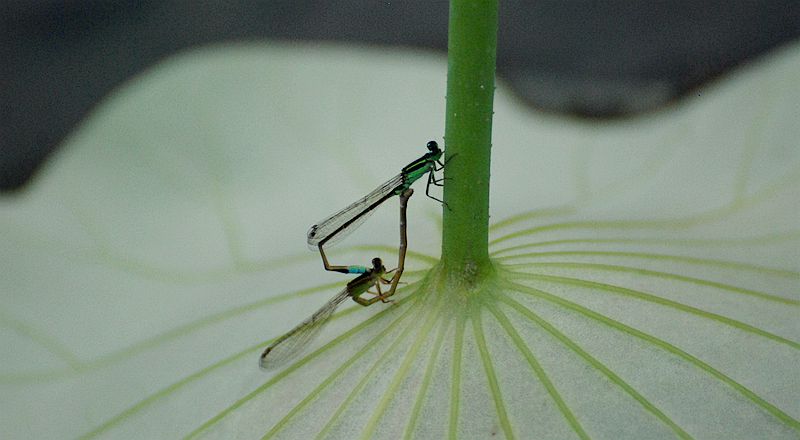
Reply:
x=471 y=49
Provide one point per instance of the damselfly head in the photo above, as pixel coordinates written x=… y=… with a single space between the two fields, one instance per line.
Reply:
x=377 y=265
x=433 y=147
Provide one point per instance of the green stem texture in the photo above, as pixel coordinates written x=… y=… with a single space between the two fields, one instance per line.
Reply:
x=471 y=50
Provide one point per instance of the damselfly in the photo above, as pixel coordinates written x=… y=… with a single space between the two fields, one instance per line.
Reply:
x=293 y=342
x=343 y=222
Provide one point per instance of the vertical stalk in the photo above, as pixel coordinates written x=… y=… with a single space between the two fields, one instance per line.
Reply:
x=471 y=53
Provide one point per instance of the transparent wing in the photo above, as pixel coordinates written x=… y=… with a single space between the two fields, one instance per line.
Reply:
x=292 y=343
x=342 y=223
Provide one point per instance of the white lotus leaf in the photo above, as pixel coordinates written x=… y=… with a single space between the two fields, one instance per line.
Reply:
x=646 y=283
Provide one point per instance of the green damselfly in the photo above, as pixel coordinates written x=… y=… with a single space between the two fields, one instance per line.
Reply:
x=340 y=224
x=295 y=340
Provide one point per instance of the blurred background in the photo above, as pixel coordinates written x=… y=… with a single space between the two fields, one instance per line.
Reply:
x=607 y=59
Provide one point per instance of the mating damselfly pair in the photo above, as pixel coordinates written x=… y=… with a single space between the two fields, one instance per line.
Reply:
x=339 y=225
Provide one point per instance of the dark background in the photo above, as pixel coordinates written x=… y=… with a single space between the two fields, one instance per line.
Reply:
x=613 y=58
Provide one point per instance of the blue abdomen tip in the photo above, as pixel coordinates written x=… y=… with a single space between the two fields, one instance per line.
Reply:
x=357 y=269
